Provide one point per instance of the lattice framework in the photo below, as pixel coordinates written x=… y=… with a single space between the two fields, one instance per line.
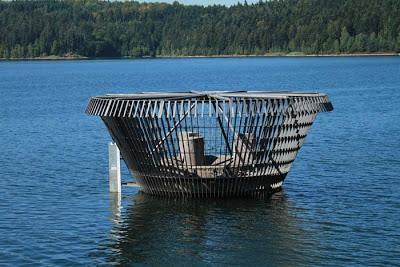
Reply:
x=209 y=144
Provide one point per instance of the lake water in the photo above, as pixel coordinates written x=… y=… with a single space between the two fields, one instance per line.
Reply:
x=340 y=204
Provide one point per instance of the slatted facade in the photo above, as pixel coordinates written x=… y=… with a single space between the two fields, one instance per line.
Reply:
x=209 y=144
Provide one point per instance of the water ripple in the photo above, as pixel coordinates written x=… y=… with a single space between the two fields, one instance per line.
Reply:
x=340 y=204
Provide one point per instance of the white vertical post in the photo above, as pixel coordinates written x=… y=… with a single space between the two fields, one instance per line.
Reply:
x=114 y=166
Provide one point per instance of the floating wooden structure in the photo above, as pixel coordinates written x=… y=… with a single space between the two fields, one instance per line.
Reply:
x=209 y=144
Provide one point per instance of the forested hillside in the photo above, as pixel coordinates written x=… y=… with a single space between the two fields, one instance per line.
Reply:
x=113 y=29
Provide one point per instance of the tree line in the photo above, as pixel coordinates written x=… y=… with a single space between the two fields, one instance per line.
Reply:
x=94 y=28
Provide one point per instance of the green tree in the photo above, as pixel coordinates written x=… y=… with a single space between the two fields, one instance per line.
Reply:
x=336 y=46
x=98 y=28
x=345 y=40
x=398 y=43
x=55 y=48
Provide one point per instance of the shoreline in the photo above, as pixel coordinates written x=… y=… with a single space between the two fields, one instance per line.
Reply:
x=77 y=57
x=290 y=55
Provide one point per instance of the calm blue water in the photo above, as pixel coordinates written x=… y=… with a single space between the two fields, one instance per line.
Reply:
x=340 y=204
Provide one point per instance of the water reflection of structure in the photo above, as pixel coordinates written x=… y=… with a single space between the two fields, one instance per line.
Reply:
x=182 y=232
x=209 y=144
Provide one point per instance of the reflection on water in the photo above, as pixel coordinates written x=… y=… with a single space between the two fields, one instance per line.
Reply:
x=190 y=232
x=343 y=201
x=115 y=208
